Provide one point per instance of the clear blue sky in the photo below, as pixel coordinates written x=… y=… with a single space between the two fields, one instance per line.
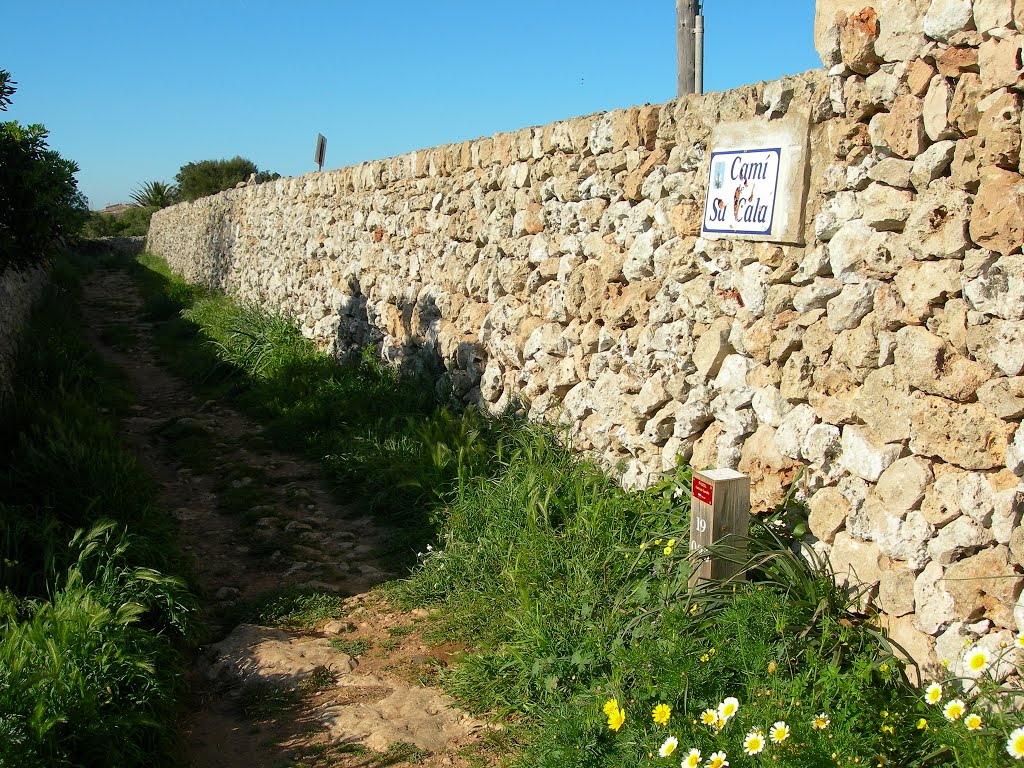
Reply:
x=131 y=91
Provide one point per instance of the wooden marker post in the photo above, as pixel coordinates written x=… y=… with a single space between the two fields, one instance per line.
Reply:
x=720 y=508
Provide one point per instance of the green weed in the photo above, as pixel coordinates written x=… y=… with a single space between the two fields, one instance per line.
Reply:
x=355 y=647
x=289 y=608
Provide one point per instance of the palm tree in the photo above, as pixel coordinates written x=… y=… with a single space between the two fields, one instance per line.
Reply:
x=156 y=194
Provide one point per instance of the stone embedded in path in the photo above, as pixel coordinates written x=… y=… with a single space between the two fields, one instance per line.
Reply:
x=419 y=716
x=252 y=654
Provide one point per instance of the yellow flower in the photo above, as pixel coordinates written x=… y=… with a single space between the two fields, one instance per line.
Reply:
x=1019 y=640
x=705 y=657
x=779 y=732
x=694 y=608
x=888 y=729
x=711 y=651
x=667 y=551
x=719 y=724
x=772 y=666
x=1015 y=744
x=668 y=747
x=933 y=694
x=718 y=760
x=610 y=706
x=670 y=543
x=708 y=717
x=728 y=707
x=821 y=722
x=616 y=718
x=977 y=660
x=753 y=743
x=922 y=724
x=953 y=710
x=883 y=667
x=661 y=714
x=692 y=759
x=973 y=722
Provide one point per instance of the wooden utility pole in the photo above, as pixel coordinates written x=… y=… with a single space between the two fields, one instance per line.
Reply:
x=686 y=45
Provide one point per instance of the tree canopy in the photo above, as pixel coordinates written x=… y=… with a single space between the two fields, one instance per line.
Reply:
x=40 y=205
x=208 y=177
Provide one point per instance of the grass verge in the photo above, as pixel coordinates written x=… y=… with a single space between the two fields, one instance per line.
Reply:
x=93 y=607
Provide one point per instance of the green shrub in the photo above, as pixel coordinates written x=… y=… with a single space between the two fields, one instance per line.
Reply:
x=132 y=222
x=40 y=206
x=208 y=177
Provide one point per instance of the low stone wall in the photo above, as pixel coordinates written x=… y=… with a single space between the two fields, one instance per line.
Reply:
x=563 y=265
x=19 y=292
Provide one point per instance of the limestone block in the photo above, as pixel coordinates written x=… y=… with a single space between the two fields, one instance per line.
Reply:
x=999 y=130
x=914 y=648
x=1018 y=16
x=821 y=448
x=769 y=471
x=937 y=227
x=835 y=212
x=852 y=305
x=964 y=434
x=885 y=207
x=827 y=16
x=857 y=35
x=901 y=487
x=925 y=362
x=652 y=396
x=919 y=76
x=692 y=418
x=984 y=585
x=922 y=286
x=955 y=61
x=705 y=449
x=883 y=404
x=892 y=171
x=789 y=437
x=998 y=288
x=935 y=110
x=639 y=262
x=932 y=164
x=1000 y=343
x=770 y=406
x=896 y=591
x=814 y=264
x=864 y=456
x=713 y=347
x=936 y=607
x=966 y=166
x=857 y=350
x=992 y=15
x=1015 y=453
x=900 y=131
x=901 y=37
x=1001 y=62
x=1003 y=397
x=946 y=18
x=854 y=245
x=828 y=512
x=960 y=538
x=963 y=111
x=856 y=564
x=900 y=537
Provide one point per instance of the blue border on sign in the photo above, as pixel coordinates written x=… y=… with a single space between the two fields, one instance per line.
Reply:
x=707 y=196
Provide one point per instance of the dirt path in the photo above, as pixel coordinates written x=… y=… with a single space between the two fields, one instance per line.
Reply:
x=346 y=692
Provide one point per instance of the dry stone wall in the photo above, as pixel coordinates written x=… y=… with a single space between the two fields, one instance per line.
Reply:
x=19 y=291
x=563 y=266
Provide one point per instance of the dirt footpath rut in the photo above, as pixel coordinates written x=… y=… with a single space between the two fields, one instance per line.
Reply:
x=347 y=692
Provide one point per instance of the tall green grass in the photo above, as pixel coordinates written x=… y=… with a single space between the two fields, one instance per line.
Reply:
x=91 y=627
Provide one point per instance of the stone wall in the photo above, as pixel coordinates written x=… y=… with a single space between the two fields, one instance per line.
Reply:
x=19 y=292
x=563 y=265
